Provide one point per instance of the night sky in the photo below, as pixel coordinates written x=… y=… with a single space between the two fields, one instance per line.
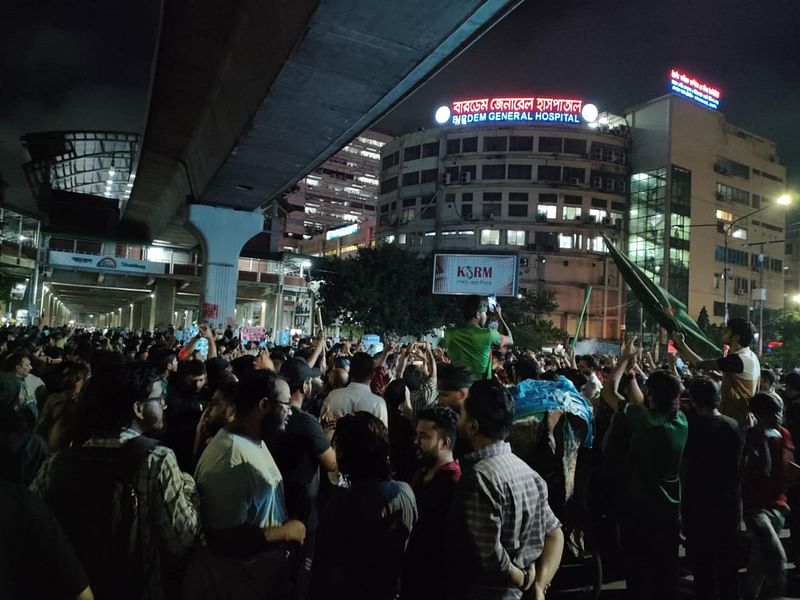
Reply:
x=87 y=64
x=617 y=54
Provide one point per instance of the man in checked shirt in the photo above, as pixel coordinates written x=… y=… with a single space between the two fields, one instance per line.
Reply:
x=128 y=404
x=505 y=540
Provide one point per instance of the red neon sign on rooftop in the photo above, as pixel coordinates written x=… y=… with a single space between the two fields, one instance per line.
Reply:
x=561 y=105
x=694 y=83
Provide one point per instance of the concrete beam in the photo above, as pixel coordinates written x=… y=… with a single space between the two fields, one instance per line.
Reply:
x=248 y=97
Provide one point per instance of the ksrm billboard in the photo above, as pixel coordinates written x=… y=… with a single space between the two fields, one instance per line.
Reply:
x=482 y=274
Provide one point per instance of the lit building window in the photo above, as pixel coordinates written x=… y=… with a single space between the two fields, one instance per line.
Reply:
x=724 y=215
x=159 y=255
x=565 y=241
x=389 y=239
x=597 y=244
x=516 y=237
x=572 y=212
x=490 y=237
x=598 y=214
x=401 y=238
x=740 y=233
x=547 y=210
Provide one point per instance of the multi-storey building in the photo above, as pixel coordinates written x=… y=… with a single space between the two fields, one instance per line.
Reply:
x=341 y=191
x=671 y=181
x=548 y=190
x=700 y=187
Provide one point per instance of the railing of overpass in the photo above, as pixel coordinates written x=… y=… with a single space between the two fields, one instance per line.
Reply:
x=176 y=261
x=182 y=262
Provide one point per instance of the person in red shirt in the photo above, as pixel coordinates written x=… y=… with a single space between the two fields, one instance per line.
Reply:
x=767 y=453
x=424 y=575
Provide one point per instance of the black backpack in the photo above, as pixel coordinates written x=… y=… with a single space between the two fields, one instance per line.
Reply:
x=94 y=495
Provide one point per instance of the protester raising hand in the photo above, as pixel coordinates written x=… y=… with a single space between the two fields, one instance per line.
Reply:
x=629 y=350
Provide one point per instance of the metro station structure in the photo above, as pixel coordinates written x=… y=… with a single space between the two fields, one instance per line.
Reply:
x=184 y=221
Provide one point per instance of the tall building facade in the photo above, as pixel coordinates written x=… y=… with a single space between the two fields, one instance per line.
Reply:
x=701 y=187
x=694 y=200
x=791 y=280
x=341 y=191
x=548 y=191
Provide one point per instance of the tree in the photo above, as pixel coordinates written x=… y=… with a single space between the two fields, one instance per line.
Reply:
x=535 y=304
x=787 y=355
x=524 y=317
x=384 y=290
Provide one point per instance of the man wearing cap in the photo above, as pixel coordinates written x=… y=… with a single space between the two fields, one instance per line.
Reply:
x=299 y=451
x=471 y=344
x=452 y=385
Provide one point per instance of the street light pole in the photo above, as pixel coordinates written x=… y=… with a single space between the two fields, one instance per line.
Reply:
x=762 y=292
x=761 y=300
x=725 y=270
x=783 y=200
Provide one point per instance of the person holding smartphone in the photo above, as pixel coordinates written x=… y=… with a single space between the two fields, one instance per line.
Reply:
x=471 y=344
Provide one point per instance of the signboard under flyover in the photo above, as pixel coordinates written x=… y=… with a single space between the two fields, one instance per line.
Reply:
x=482 y=274
x=103 y=263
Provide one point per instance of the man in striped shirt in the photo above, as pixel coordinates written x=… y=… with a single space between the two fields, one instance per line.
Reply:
x=504 y=537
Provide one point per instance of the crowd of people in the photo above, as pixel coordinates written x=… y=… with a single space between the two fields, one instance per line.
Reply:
x=133 y=466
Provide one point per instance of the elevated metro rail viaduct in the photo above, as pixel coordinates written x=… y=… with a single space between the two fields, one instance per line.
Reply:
x=249 y=96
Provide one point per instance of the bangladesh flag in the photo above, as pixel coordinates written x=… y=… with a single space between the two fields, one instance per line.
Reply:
x=670 y=312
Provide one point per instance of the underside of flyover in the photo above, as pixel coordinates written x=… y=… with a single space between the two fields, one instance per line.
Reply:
x=249 y=96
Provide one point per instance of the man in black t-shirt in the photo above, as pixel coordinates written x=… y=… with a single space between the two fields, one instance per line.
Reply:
x=712 y=494
x=36 y=559
x=299 y=452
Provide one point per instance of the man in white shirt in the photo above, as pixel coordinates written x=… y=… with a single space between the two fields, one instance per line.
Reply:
x=592 y=388
x=357 y=396
x=241 y=489
x=27 y=404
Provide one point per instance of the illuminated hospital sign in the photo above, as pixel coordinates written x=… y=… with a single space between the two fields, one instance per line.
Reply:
x=694 y=89
x=532 y=109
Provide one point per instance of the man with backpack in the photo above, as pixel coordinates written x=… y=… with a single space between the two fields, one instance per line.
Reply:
x=129 y=511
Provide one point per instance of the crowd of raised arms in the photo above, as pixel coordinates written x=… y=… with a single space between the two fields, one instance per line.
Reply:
x=133 y=466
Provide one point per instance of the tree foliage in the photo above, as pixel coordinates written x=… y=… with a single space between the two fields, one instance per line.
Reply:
x=787 y=355
x=524 y=317
x=531 y=304
x=387 y=290
x=384 y=290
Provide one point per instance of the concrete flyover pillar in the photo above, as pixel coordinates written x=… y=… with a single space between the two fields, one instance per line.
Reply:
x=263 y=315
x=136 y=318
x=163 y=313
x=223 y=233
x=148 y=313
